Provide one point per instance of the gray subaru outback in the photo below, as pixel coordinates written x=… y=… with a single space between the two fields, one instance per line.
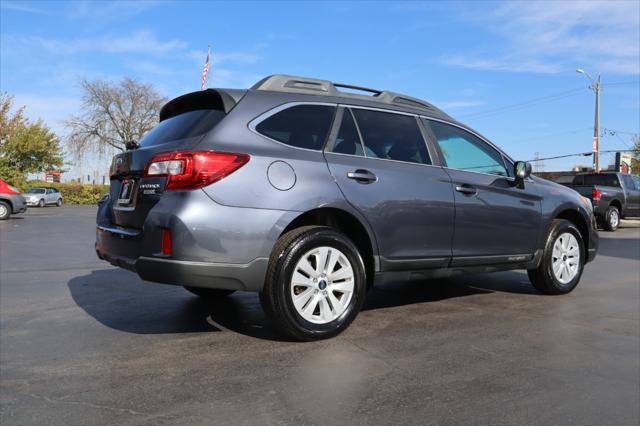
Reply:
x=309 y=192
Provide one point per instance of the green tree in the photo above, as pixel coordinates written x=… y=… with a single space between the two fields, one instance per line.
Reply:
x=25 y=147
x=635 y=162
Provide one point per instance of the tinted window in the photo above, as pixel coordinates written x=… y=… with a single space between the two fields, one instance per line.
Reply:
x=602 y=179
x=636 y=180
x=628 y=182
x=187 y=125
x=348 y=140
x=464 y=151
x=36 y=191
x=391 y=136
x=302 y=126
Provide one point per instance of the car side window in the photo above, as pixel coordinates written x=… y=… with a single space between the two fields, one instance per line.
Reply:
x=628 y=182
x=391 y=136
x=348 y=140
x=302 y=126
x=464 y=151
x=636 y=181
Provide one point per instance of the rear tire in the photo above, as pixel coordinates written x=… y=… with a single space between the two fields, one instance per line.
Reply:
x=41 y=203
x=209 y=293
x=562 y=261
x=5 y=210
x=611 y=219
x=315 y=283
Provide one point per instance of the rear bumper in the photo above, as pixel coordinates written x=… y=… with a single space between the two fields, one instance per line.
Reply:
x=213 y=246
x=230 y=276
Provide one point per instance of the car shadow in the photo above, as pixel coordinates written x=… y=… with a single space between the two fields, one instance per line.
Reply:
x=119 y=300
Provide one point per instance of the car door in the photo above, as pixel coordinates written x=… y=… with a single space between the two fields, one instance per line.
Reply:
x=49 y=196
x=382 y=165
x=633 y=195
x=495 y=220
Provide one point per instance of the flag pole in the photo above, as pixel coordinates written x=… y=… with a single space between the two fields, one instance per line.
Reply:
x=205 y=71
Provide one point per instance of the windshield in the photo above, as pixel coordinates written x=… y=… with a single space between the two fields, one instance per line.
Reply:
x=36 y=191
x=186 y=125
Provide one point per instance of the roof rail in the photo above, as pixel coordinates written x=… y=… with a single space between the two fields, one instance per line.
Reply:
x=313 y=86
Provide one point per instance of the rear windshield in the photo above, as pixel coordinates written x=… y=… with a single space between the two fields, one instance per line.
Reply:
x=186 y=125
x=602 y=179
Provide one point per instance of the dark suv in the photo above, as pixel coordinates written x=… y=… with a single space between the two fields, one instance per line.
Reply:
x=309 y=193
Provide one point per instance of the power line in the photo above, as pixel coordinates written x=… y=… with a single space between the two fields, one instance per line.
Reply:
x=581 y=154
x=529 y=103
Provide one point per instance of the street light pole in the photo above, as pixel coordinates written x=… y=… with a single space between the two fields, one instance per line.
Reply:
x=595 y=86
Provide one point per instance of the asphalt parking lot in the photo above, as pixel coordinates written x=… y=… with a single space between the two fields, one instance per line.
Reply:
x=82 y=342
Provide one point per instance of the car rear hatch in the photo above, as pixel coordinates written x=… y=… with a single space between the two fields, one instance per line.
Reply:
x=184 y=121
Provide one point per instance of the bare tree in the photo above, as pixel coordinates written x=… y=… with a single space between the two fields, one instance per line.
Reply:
x=114 y=114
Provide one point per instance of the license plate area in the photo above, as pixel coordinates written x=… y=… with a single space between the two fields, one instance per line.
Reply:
x=127 y=193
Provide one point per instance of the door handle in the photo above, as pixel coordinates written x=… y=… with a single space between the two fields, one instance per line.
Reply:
x=466 y=189
x=362 y=176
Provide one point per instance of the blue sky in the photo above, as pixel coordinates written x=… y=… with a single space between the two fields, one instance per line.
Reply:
x=469 y=58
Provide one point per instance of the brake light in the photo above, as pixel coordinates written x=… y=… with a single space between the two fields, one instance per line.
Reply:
x=596 y=194
x=194 y=169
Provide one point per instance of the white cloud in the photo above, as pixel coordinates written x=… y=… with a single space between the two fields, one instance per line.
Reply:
x=550 y=37
x=137 y=42
x=21 y=7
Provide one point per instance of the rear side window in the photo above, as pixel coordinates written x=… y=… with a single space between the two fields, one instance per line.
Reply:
x=464 y=151
x=628 y=182
x=302 y=126
x=602 y=179
x=391 y=136
x=185 y=125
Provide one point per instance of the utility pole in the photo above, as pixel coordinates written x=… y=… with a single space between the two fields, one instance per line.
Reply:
x=595 y=86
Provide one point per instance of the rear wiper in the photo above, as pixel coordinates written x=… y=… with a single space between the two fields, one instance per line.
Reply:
x=131 y=145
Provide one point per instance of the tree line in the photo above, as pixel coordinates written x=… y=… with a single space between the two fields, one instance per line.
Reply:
x=112 y=114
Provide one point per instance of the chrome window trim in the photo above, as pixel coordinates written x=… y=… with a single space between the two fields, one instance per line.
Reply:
x=260 y=118
x=416 y=116
x=383 y=159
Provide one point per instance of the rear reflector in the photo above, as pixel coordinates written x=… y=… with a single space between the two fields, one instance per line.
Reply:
x=167 y=248
x=596 y=194
x=194 y=169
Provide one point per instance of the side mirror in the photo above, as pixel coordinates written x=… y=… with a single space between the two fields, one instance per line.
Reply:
x=521 y=170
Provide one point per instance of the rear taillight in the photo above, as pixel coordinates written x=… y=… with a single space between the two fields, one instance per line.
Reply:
x=194 y=169
x=596 y=194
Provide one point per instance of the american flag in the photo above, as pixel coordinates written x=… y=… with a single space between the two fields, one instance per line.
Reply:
x=205 y=71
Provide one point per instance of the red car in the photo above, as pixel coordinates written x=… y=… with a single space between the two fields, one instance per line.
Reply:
x=11 y=200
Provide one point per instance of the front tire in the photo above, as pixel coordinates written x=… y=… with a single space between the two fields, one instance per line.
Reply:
x=209 y=293
x=611 y=219
x=562 y=261
x=59 y=202
x=315 y=284
x=5 y=210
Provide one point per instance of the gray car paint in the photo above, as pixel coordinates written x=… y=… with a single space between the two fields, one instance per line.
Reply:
x=223 y=234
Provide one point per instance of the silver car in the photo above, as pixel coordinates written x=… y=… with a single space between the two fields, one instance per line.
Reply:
x=42 y=196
